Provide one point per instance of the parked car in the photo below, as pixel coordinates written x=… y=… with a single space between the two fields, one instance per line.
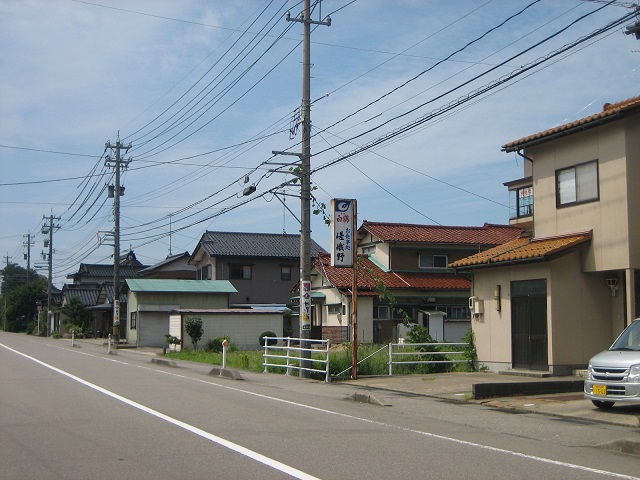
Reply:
x=614 y=375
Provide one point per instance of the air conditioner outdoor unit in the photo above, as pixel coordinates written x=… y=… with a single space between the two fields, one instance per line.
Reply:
x=476 y=305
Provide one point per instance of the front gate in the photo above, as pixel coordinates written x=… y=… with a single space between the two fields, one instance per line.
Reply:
x=529 y=344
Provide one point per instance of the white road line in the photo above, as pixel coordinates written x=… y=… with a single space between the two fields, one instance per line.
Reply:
x=418 y=432
x=213 y=438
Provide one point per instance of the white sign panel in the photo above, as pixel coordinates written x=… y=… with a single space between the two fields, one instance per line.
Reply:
x=342 y=232
x=116 y=312
x=305 y=305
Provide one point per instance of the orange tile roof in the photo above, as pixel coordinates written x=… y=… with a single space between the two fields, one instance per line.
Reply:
x=486 y=235
x=610 y=112
x=370 y=276
x=524 y=249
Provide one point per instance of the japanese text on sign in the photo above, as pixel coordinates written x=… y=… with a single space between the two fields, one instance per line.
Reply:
x=342 y=231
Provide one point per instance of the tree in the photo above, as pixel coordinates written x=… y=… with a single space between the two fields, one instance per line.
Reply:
x=194 y=329
x=21 y=303
x=14 y=276
x=76 y=312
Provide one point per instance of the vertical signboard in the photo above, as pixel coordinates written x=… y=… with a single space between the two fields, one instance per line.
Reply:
x=305 y=305
x=342 y=232
x=116 y=312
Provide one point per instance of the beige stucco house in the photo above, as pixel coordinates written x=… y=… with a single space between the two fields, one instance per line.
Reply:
x=550 y=300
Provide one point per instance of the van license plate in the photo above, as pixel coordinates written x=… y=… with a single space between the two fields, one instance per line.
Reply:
x=599 y=389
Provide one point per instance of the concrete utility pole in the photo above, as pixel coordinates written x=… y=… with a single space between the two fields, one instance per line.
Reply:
x=305 y=178
x=28 y=243
x=116 y=191
x=47 y=229
x=4 y=279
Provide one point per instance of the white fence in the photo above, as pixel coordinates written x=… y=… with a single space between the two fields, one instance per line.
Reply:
x=406 y=353
x=292 y=350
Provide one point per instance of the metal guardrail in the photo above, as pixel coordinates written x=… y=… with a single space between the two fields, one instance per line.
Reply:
x=399 y=350
x=296 y=361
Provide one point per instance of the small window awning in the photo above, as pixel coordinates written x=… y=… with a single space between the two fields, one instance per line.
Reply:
x=315 y=296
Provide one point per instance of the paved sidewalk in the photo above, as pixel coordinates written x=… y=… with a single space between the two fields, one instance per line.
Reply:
x=459 y=387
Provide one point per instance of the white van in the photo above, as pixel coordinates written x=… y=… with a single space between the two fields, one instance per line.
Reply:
x=614 y=375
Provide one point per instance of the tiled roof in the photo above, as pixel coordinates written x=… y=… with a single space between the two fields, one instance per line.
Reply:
x=181 y=286
x=610 y=112
x=486 y=235
x=88 y=296
x=369 y=276
x=274 y=245
x=523 y=250
x=167 y=261
x=107 y=287
x=88 y=270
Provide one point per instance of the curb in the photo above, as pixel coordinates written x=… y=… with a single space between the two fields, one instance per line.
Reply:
x=512 y=389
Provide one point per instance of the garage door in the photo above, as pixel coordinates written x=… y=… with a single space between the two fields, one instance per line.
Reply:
x=152 y=327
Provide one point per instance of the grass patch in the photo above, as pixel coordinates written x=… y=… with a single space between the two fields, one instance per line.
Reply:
x=339 y=361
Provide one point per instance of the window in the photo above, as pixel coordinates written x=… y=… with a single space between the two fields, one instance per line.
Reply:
x=205 y=272
x=334 y=309
x=134 y=318
x=240 y=272
x=381 y=312
x=369 y=250
x=432 y=261
x=455 y=312
x=521 y=202
x=285 y=273
x=577 y=184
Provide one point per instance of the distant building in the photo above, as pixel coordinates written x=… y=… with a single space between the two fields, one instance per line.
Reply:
x=263 y=267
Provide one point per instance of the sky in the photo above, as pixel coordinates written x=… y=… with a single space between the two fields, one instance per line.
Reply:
x=411 y=103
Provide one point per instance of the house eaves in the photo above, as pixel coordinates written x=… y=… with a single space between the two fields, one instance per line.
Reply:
x=610 y=113
x=524 y=250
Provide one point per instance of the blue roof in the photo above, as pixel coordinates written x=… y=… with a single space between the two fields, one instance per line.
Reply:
x=183 y=286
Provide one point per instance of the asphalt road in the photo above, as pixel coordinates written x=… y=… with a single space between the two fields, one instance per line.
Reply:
x=78 y=413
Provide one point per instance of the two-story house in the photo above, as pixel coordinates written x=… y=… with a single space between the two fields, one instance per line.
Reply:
x=401 y=267
x=93 y=284
x=550 y=300
x=174 y=267
x=263 y=267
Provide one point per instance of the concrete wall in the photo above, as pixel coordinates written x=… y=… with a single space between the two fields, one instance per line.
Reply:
x=243 y=329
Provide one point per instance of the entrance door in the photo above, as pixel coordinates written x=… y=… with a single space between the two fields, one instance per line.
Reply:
x=529 y=344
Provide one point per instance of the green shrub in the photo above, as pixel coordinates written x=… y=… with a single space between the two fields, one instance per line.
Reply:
x=215 y=344
x=194 y=329
x=74 y=330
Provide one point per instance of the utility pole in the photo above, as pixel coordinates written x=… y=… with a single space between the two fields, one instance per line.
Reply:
x=28 y=243
x=116 y=191
x=4 y=279
x=305 y=178
x=47 y=229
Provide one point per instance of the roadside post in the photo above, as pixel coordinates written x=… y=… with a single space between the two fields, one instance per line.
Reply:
x=225 y=344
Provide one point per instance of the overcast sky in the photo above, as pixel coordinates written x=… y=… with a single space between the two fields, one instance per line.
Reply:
x=205 y=90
